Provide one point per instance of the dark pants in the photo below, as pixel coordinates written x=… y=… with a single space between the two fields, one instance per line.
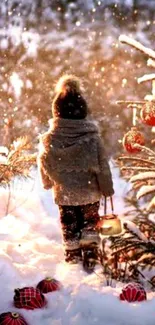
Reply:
x=78 y=223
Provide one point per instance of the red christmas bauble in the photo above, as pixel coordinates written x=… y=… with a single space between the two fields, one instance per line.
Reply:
x=133 y=292
x=12 y=319
x=148 y=114
x=131 y=138
x=29 y=298
x=48 y=285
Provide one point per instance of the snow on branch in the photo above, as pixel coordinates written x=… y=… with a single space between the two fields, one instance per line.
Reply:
x=145 y=190
x=146 y=77
x=145 y=149
x=143 y=177
x=136 y=159
x=151 y=63
x=18 y=161
x=151 y=205
x=129 y=225
x=135 y=168
x=137 y=45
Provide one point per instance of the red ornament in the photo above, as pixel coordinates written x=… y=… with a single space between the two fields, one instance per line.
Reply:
x=48 y=285
x=131 y=138
x=12 y=319
x=29 y=298
x=148 y=114
x=133 y=292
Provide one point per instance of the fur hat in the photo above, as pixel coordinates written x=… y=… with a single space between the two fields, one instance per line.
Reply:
x=68 y=83
x=69 y=102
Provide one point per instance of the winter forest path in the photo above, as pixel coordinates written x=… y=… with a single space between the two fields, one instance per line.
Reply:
x=31 y=249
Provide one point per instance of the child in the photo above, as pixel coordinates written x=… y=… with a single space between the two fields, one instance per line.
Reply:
x=72 y=161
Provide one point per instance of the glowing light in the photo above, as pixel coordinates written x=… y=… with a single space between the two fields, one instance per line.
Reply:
x=124 y=82
x=10 y=100
x=13 y=227
x=63 y=270
x=78 y=23
x=17 y=84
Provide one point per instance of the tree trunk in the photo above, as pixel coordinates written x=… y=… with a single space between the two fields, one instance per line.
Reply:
x=39 y=10
x=135 y=12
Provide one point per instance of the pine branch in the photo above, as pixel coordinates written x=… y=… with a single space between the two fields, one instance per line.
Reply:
x=151 y=63
x=151 y=205
x=145 y=176
x=136 y=159
x=145 y=190
x=145 y=149
x=146 y=77
x=135 y=168
x=18 y=162
x=137 y=45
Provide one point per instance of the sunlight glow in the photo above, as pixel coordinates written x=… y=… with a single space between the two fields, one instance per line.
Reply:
x=63 y=270
x=16 y=84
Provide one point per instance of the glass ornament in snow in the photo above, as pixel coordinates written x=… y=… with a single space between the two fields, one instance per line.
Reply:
x=133 y=292
x=49 y=285
x=147 y=114
x=131 y=138
x=12 y=319
x=29 y=298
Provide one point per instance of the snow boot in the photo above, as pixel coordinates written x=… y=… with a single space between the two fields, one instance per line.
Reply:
x=73 y=256
x=90 y=258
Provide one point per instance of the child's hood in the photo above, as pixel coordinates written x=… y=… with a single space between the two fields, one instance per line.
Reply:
x=71 y=144
x=66 y=132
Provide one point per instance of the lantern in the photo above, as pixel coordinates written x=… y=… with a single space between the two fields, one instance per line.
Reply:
x=133 y=292
x=109 y=225
x=48 y=285
x=12 y=319
x=131 y=138
x=29 y=298
x=148 y=114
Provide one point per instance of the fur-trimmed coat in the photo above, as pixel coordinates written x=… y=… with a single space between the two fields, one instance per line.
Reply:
x=72 y=161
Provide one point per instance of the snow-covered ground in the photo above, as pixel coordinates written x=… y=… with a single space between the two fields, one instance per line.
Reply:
x=31 y=248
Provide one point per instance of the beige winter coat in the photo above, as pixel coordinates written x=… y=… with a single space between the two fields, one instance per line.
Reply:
x=72 y=161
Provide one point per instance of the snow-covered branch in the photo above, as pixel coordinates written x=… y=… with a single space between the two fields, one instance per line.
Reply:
x=143 y=176
x=133 y=103
x=145 y=149
x=139 y=169
x=151 y=63
x=136 y=159
x=145 y=190
x=151 y=204
x=137 y=45
x=146 y=77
